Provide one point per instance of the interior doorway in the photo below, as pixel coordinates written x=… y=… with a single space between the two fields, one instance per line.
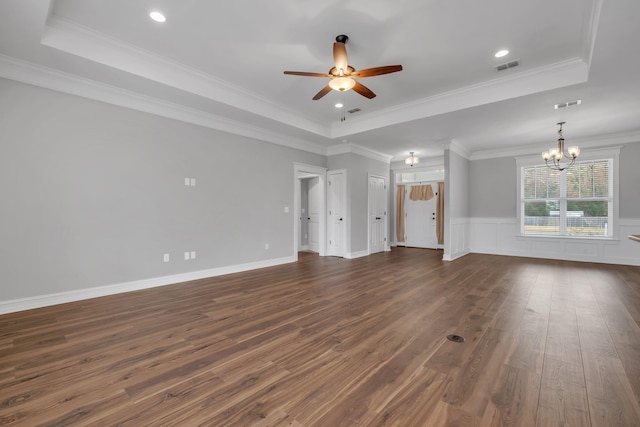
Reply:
x=310 y=183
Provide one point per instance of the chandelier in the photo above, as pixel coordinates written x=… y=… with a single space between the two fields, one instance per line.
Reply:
x=553 y=157
x=411 y=160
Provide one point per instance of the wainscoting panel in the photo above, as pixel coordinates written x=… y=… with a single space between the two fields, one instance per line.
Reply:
x=460 y=232
x=500 y=236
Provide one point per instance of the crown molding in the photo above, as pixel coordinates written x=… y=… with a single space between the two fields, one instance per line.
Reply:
x=553 y=76
x=86 y=43
x=597 y=141
x=350 y=148
x=458 y=149
x=590 y=32
x=37 y=75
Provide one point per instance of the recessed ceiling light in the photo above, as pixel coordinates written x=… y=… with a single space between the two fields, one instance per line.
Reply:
x=339 y=105
x=501 y=53
x=157 y=16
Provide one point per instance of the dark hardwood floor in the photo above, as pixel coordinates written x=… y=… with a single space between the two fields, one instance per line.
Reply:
x=335 y=342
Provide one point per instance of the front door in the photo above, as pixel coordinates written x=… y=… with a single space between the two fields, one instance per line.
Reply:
x=420 y=220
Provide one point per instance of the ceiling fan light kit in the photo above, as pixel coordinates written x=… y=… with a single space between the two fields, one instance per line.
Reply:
x=342 y=84
x=343 y=75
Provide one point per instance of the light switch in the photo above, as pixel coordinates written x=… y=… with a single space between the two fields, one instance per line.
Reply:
x=193 y=254
x=193 y=182
x=286 y=209
x=186 y=255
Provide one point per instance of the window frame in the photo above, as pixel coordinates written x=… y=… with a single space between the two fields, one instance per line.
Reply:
x=608 y=153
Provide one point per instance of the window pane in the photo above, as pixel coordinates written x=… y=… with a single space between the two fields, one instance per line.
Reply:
x=542 y=217
x=588 y=179
x=601 y=178
x=587 y=218
x=529 y=183
x=540 y=182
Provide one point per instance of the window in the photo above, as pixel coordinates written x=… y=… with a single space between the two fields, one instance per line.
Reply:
x=576 y=202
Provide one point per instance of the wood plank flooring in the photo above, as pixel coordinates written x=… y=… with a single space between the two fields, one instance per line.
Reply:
x=335 y=342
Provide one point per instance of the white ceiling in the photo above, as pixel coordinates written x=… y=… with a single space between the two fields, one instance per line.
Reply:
x=220 y=64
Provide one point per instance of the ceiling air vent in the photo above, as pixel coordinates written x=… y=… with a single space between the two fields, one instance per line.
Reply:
x=567 y=104
x=508 y=65
x=355 y=110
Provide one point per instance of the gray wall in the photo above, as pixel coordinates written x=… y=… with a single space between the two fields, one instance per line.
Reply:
x=630 y=181
x=94 y=194
x=493 y=185
x=358 y=168
x=457 y=182
x=492 y=188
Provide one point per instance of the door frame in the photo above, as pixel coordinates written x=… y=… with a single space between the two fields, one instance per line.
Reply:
x=387 y=247
x=300 y=171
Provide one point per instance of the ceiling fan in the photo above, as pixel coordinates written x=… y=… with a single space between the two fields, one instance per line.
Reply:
x=342 y=74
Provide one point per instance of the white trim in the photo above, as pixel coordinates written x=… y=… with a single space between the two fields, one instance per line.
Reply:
x=300 y=170
x=590 y=143
x=458 y=149
x=548 y=77
x=590 y=31
x=498 y=236
x=350 y=148
x=100 y=291
x=87 y=43
x=359 y=254
x=25 y=72
x=451 y=257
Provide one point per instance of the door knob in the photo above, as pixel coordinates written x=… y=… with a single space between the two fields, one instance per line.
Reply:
x=340 y=219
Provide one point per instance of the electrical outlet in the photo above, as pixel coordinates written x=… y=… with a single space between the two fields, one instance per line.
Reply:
x=286 y=209
x=266 y=246
x=166 y=258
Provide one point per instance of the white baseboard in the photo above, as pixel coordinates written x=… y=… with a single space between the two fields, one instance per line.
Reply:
x=352 y=255
x=22 y=304
x=451 y=257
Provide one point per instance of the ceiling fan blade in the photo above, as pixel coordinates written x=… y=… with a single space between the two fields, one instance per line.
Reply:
x=376 y=71
x=306 y=74
x=340 y=57
x=363 y=90
x=325 y=90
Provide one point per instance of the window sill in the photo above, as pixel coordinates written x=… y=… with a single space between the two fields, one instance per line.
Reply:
x=579 y=238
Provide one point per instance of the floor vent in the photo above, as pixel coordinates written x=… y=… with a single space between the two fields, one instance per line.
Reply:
x=508 y=65
x=355 y=110
x=455 y=338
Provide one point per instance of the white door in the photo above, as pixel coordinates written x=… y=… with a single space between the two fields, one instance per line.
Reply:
x=336 y=218
x=313 y=216
x=420 y=220
x=377 y=214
